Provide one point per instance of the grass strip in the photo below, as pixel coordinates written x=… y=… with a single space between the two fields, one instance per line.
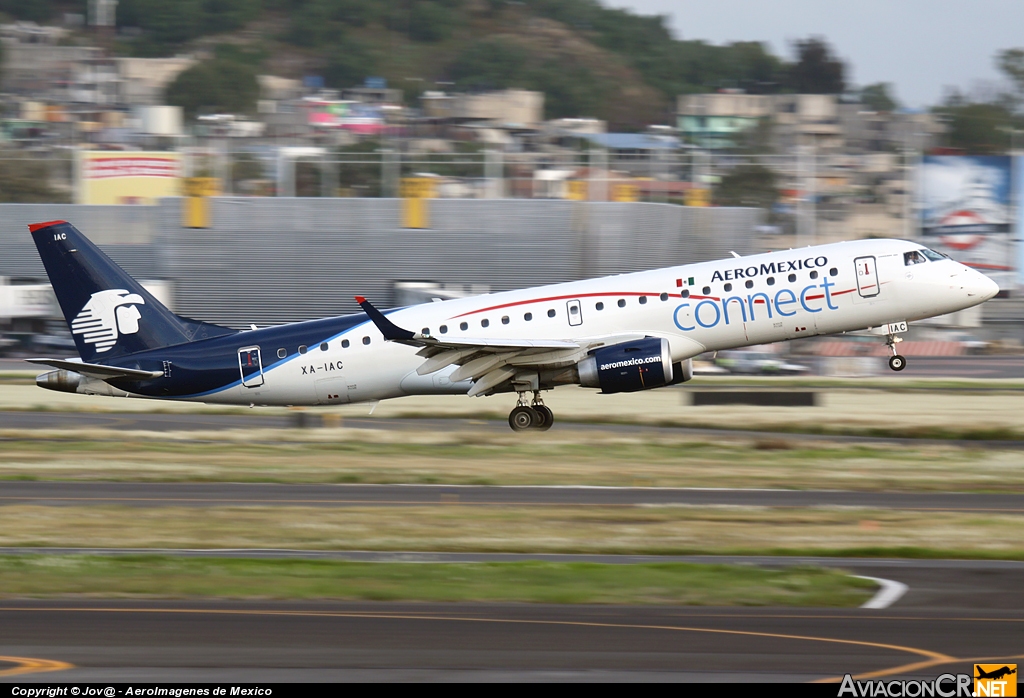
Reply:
x=497 y=458
x=532 y=582
x=654 y=530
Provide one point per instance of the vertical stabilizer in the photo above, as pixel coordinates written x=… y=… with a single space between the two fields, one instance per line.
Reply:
x=109 y=313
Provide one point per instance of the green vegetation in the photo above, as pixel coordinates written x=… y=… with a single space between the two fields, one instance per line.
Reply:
x=983 y=123
x=449 y=526
x=747 y=185
x=168 y=25
x=474 y=458
x=26 y=181
x=225 y=83
x=532 y=582
x=878 y=97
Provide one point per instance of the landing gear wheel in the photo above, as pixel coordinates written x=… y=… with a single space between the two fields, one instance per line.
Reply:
x=545 y=417
x=523 y=418
x=897 y=362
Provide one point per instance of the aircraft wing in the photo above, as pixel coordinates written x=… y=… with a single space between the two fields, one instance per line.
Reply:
x=97 y=370
x=488 y=362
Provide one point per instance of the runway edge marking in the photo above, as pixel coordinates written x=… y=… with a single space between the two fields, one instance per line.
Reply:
x=891 y=592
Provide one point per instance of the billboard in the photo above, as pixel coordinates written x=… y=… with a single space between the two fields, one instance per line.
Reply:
x=964 y=202
x=126 y=177
x=1018 y=198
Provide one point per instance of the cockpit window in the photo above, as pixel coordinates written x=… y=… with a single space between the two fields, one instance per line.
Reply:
x=933 y=255
x=913 y=257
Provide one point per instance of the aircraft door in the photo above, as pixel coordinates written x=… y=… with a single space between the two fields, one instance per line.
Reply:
x=575 y=313
x=867 y=277
x=250 y=366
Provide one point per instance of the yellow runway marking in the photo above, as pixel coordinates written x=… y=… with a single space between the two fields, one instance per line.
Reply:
x=931 y=658
x=28 y=665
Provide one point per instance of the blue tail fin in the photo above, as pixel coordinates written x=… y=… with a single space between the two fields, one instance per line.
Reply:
x=110 y=314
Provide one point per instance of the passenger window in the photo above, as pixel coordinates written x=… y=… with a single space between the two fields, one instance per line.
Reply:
x=281 y=353
x=728 y=287
x=366 y=340
x=771 y=280
x=599 y=306
x=643 y=300
x=663 y=296
x=685 y=293
x=749 y=284
x=814 y=275
x=574 y=310
x=528 y=317
x=323 y=346
x=913 y=257
x=622 y=303
x=504 y=319
x=706 y=290
x=551 y=313
x=833 y=272
x=443 y=329
x=792 y=278
x=485 y=322
x=425 y=332
x=344 y=344
x=464 y=326
x=302 y=348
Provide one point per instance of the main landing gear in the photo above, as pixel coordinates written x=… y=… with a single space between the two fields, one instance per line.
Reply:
x=896 y=362
x=536 y=415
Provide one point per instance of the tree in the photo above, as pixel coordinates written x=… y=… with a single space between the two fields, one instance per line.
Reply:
x=31 y=10
x=221 y=84
x=747 y=185
x=1011 y=63
x=27 y=182
x=976 y=127
x=816 y=71
x=349 y=64
x=877 y=97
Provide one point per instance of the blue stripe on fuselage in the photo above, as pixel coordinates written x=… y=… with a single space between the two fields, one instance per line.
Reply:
x=210 y=366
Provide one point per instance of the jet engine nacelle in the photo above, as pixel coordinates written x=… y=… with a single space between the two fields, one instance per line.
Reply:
x=631 y=366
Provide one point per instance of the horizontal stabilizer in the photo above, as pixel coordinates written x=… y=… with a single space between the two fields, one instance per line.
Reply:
x=97 y=370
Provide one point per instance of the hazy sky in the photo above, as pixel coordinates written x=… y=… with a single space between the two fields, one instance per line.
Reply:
x=918 y=45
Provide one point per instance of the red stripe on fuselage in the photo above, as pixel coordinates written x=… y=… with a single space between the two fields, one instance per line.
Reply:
x=574 y=296
x=557 y=298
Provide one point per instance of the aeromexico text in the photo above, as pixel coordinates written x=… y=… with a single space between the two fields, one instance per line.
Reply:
x=710 y=312
x=769 y=268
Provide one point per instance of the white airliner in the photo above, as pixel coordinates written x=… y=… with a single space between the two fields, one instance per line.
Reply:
x=617 y=334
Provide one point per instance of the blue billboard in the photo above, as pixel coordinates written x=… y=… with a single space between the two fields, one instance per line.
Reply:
x=965 y=207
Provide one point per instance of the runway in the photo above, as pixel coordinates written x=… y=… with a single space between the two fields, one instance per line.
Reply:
x=305 y=641
x=211 y=423
x=160 y=494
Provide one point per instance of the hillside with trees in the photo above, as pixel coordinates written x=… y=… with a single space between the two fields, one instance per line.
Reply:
x=588 y=59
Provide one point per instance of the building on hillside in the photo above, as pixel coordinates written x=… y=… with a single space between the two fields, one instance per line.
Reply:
x=143 y=80
x=522 y=109
x=805 y=120
x=719 y=120
x=900 y=131
x=42 y=70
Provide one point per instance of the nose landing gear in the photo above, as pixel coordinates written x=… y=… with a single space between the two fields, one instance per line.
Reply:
x=536 y=415
x=896 y=362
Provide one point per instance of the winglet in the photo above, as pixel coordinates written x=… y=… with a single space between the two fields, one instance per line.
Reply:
x=390 y=330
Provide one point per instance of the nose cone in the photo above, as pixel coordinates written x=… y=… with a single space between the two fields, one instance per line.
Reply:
x=982 y=288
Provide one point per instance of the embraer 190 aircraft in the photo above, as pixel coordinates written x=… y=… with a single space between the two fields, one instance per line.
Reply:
x=617 y=334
